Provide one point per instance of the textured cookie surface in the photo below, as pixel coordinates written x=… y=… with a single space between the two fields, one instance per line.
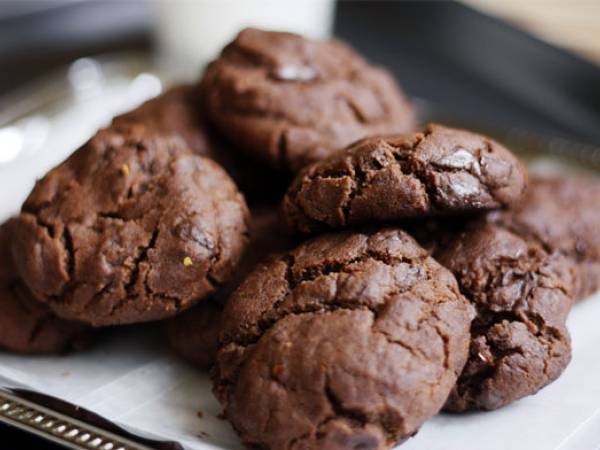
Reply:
x=178 y=112
x=562 y=214
x=175 y=111
x=291 y=101
x=351 y=340
x=130 y=228
x=522 y=296
x=27 y=326
x=439 y=171
x=194 y=335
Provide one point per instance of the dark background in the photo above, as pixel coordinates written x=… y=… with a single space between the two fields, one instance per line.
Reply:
x=448 y=57
x=470 y=66
x=477 y=67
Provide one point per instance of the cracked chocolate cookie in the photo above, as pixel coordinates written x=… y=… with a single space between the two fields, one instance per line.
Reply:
x=27 y=326
x=390 y=178
x=351 y=340
x=132 y=227
x=291 y=101
x=522 y=295
x=178 y=112
x=194 y=335
x=562 y=214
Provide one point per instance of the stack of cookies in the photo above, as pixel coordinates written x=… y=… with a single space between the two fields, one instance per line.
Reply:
x=345 y=272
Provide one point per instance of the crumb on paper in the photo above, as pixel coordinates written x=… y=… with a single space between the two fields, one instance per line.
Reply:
x=203 y=434
x=200 y=414
x=187 y=261
x=125 y=170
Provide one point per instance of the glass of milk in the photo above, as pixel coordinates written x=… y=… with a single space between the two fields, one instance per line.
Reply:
x=189 y=33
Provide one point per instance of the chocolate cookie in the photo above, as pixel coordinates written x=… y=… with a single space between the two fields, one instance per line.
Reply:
x=351 y=340
x=178 y=112
x=377 y=179
x=194 y=335
x=522 y=296
x=175 y=111
x=132 y=227
x=291 y=101
x=27 y=326
x=562 y=214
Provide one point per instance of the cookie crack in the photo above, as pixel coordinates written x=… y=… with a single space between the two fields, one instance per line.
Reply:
x=353 y=415
x=359 y=180
x=98 y=296
x=38 y=327
x=275 y=314
x=113 y=215
x=289 y=261
x=328 y=268
x=355 y=110
x=265 y=323
x=67 y=241
x=431 y=311
x=394 y=341
x=141 y=257
x=48 y=227
x=445 y=342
